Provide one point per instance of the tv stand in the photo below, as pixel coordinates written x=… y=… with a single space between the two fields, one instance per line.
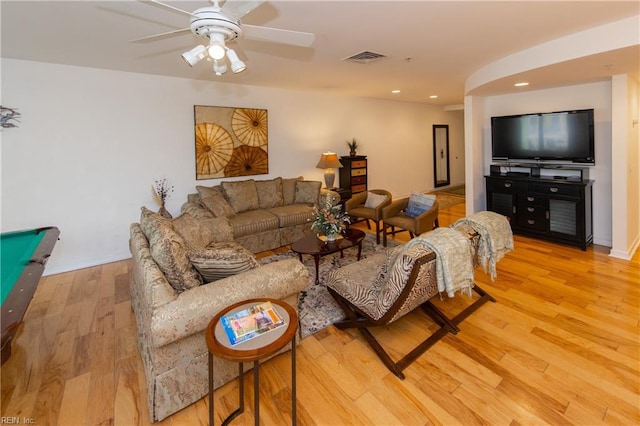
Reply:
x=554 y=207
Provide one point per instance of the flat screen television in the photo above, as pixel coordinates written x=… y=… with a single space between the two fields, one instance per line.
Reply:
x=550 y=137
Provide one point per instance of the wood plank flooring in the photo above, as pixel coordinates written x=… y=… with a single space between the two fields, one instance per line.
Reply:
x=560 y=346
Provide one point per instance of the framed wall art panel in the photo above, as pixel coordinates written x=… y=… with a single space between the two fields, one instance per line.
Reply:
x=230 y=142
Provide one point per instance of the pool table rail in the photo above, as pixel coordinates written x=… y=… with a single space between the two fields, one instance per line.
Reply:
x=17 y=301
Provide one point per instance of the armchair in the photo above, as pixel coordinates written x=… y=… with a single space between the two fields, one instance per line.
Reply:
x=394 y=215
x=358 y=207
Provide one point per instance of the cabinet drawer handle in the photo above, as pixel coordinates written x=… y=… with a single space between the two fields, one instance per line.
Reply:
x=530 y=199
x=531 y=222
x=507 y=184
x=553 y=189
x=530 y=209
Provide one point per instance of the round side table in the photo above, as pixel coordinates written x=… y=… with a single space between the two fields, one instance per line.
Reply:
x=252 y=350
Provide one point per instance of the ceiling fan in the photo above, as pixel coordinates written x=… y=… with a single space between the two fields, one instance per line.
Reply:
x=221 y=24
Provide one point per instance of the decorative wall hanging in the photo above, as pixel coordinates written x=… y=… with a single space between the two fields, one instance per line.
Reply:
x=230 y=142
x=7 y=115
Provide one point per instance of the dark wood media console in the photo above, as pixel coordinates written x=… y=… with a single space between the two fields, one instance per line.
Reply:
x=554 y=208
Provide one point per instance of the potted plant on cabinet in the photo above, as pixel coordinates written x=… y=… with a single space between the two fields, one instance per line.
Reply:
x=353 y=147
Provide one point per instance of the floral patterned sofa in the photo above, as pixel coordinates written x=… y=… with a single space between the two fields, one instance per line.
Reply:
x=184 y=272
x=264 y=214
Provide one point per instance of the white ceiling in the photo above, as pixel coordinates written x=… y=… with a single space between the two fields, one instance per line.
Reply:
x=431 y=47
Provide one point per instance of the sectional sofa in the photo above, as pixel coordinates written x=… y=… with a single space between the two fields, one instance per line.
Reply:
x=186 y=270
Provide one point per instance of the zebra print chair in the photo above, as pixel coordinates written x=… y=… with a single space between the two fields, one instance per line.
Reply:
x=383 y=288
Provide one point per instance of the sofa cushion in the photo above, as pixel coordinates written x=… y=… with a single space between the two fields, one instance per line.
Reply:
x=221 y=260
x=419 y=203
x=202 y=232
x=241 y=195
x=269 y=193
x=289 y=189
x=214 y=201
x=169 y=251
x=294 y=214
x=307 y=192
x=253 y=222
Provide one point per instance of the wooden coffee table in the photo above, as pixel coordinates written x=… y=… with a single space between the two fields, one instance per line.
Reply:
x=317 y=248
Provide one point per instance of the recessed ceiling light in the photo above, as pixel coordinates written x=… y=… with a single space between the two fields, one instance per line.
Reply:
x=524 y=83
x=395 y=91
x=433 y=97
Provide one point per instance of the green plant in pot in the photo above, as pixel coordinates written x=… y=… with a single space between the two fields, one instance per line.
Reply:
x=353 y=147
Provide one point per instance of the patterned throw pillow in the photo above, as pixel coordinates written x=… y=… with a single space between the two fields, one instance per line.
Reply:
x=241 y=195
x=269 y=193
x=419 y=203
x=169 y=251
x=307 y=192
x=221 y=260
x=202 y=232
x=214 y=201
x=374 y=200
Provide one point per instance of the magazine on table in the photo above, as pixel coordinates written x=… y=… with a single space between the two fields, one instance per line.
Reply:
x=251 y=322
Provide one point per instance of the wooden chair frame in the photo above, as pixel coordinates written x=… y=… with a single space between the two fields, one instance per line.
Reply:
x=356 y=318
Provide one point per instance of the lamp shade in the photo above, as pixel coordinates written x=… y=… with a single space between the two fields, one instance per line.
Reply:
x=237 y=65
x=329 y=160
x=194 y=55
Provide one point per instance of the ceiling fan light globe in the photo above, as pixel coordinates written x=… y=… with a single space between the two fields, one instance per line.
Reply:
x=237 y=66
x=219 y=67
x=216 y=51
x=195 y=55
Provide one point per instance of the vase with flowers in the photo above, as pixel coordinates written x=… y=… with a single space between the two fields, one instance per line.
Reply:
x=162 y=190
x=330 y=220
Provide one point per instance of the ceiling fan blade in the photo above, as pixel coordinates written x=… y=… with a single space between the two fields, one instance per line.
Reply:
x=159 y=35
x=168 y=6
x=276 y=35
x=238 y=8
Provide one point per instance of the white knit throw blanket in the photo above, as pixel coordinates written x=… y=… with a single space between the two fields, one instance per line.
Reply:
x=454 y=259
x=496 y=238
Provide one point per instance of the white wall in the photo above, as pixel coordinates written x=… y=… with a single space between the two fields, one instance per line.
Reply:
x=625 y=175
x=92 y=142
x=594 y=95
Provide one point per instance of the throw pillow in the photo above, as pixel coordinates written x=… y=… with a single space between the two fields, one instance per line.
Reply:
x=307 y=192
x=221 y=260
x=269 y=193
x=241 y=195
x=213 y=200
x=289 y=189
x=374 y=200
x=419 y=203
x=202 y=232
x=169 y=251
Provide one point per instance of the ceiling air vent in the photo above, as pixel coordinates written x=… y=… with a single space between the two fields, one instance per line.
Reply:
x=364 y=57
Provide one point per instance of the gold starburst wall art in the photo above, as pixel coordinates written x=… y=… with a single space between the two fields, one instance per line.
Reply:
x=231 y=142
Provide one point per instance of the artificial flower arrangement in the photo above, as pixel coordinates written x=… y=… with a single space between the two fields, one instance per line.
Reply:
x=330 y=220
x=162 y=190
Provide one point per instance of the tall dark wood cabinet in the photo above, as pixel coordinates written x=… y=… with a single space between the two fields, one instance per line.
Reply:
x=554 y=209
x=353 y=174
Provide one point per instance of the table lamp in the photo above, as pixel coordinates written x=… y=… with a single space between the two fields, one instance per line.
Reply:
x=328 y=162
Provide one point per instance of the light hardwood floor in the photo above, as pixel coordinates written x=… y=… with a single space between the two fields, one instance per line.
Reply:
x=560 y=346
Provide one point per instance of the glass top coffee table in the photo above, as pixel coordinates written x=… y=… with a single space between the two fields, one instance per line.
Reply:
x=317 y=248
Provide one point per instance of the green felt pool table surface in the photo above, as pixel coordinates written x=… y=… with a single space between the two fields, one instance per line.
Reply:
x=23 y=257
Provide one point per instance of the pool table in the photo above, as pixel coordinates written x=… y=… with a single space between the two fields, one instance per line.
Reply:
x=23 y=256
